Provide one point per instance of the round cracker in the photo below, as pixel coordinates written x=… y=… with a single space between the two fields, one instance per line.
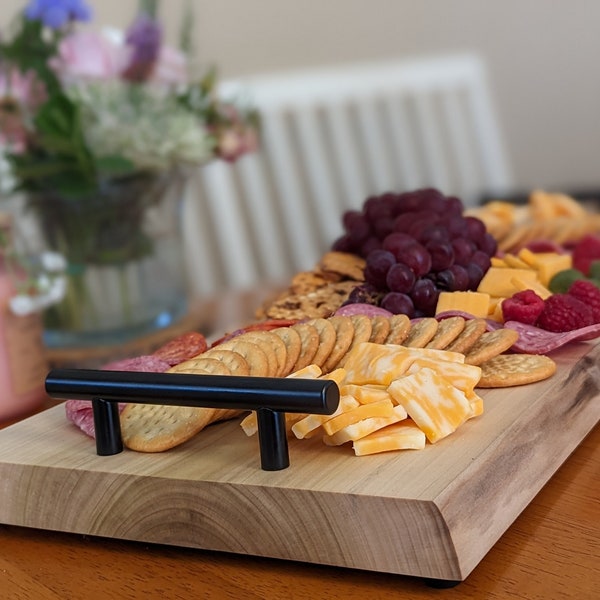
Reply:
x=234 y=361
x=327 y=338
x=344 y=334
x=448 y=330
x=506 y=370
x=273 y=347
x=421 y=332
x=293 y=344
x=473 y=330
x=490 y=344
x=309 y=343
x=362 y=333
x=399 y=329
x=255 y=356
x=380 y=329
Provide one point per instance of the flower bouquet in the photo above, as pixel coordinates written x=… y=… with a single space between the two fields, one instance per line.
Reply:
x=98 y=129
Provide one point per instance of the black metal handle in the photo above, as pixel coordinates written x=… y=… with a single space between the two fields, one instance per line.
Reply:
x=270 y=397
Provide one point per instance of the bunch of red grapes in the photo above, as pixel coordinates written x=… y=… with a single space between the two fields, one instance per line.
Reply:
x=415 y=244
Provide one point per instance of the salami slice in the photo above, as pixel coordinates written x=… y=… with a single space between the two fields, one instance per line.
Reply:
x=182 y=348
x=533 y=340
x=266 y=325
x=362 y=308
x=80 y=412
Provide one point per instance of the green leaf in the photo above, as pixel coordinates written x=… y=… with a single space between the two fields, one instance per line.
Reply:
x=114 y=165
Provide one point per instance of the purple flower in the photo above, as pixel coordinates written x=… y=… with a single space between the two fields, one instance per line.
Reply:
x=57 y=13
x=144 y=37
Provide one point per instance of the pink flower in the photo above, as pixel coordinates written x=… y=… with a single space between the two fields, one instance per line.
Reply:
x=171 y=67
x=89 y=55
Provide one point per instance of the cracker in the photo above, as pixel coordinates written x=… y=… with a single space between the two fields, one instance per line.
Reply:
x=234 y=362
x=273 y=347
x=380 y=329
x=362 y=333
x=307 y=281
x=200 y=365
x=254 y=355
x=327 y=338
x=473 y=330
x=506 y=370
x=291 y=338
x=309 y=343
x=399 y=329
x=344 y=334
x=448 y=330
x=156 y=428
x=421 y=332
x=490 y=344
x=287 y=306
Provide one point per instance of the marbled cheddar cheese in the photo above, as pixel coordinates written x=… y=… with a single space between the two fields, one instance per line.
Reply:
x=383 y=408
x=463 y=376
x=433 y=403
x=310 y=425
x=380 y=364
x=308 y=372
x=404 y=435
x=338 y=375
x=365 y=427
x=366 y=394
x=476 y=404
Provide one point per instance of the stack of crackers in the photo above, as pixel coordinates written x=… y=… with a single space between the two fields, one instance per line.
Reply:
x=326 y=342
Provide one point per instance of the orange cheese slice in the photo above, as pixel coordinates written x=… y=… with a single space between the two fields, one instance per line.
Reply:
x=433 y=403
x=497 y=281
x=383 y=408
x=311 y=425
x=475 y=303
x=405 y=435
x=363 y=428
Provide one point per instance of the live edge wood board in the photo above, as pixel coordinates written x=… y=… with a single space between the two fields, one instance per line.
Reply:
x=433 y=513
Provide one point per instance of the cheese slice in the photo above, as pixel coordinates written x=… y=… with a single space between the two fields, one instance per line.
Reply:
x=405 y=435
x=541 y=290
x=383 y=408
x=366 y=394
x=338 y=375
x=462 y=376
x=311 y=425
x=497 y=281
x=363 y=428
x=308 y=372
x=474 y=303
x=434 y=404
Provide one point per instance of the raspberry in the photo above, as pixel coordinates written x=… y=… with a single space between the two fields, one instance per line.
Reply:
x=563 y=312
x=589 y=294
x=525 y=307
x=585 y=252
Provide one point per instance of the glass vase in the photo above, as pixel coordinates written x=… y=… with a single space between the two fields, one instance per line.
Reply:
x=126 y=267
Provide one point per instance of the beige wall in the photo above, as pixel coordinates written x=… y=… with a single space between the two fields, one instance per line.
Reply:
x=542 y=56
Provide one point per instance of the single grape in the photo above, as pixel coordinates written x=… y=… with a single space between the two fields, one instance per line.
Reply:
x=400 y=278
x=421 y=222
x=425 y=296
x=350 y=217
x=396 y=241
x=408 y=202
x=434 y=233
x=456 y=226
x=382 y=227
x=433 y=200
x=404 y=221
x=489 y=245
x=359 y=230
x=399 y=304
x=463 y=250
x=475 y=229
x=454 y=206
x=343 y=244
x=376 y=208
x=475 y=274
x=442 y=255
x=445 y=280
x=461 y=278
x=416 y=257
x=378 y=263
x=368 y=246
x=482 y=260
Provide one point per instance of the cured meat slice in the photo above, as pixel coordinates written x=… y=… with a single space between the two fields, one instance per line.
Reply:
x=181 y=348
x=533 y=340
x=80 y=412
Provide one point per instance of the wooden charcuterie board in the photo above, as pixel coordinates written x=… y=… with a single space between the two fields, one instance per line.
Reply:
x=433 y=513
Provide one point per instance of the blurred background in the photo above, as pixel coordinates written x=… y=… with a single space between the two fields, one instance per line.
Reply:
x=541 y=56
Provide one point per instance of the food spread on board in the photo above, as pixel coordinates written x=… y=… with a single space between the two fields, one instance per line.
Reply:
x=417 y=305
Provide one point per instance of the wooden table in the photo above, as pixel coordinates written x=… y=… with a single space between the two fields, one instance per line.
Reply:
x=552 y=551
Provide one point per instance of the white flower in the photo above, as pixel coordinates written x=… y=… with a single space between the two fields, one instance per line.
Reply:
x=53 y=262
x=7 y=181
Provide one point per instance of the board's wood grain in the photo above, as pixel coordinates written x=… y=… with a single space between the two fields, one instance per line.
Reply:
x=433 y=513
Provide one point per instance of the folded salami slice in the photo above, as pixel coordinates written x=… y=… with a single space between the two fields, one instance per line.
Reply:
x=360 y=308
x=183 y=347
x=80 y=412
x=533 y=340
